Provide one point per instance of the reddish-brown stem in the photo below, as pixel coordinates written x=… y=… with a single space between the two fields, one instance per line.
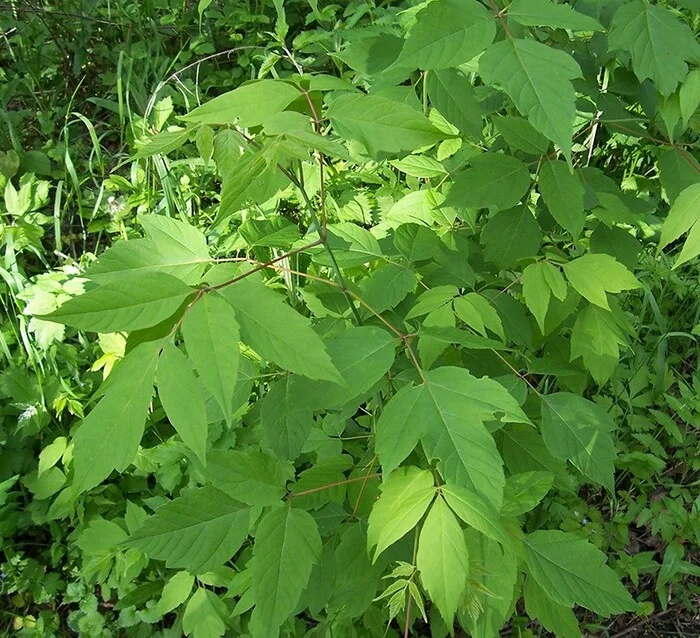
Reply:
x=336 y=484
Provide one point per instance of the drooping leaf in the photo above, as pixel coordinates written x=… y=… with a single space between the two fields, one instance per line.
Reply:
x=540 y=281
x=677 y=171
x=204 y=615
x=594 y=275
x=287 y=544
x=554 y=617
x=130 y=303
x=211 y=334
x=683 y=218
x=563 y=193
x=545 y=13
x=659 y=43
x=275 y=330
x=443 y=560
x=109 y=437
x=538 y=80
x=247 y=106
x=521 y=135
x=198 y=531
x=406 y=494
x=446 y=34
x=182 y=399
x=511 y=235
x=524 y=491
x=572 y=571
x=494 y=180
x=454 y=97
x=384 y=127
x=576 y=429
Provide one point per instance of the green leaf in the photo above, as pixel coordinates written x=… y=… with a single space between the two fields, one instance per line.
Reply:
x=204 y=615
x=131 y=303
x=388 y=286
x=211 y=334
x=247 y=106
x=351 y=244
x=677 y=171
x=689 y=96
x=593 y=275
x=276 y=232
x=443 y=560
x=454 y=97
x=476 y=512
x=420 y=166
x=562 y=191
x=520 y=134
x=544 y=13
x=175 y=592
x=182 y=399
x=286 y=419
x=572 y=571
x=618 y=243
x=287 y=544
x=175 y=234
x=478 y=313
x=538 y=80
x=198 y=531
x=511 y=235
x=447 y=413
x=554 y=617
x=524 y=491
x=447 y=33
x=249 y=476
x=576 y=429
x=683 y=218
x=384 y=127
x=494 y=180
x=276 y=331
x=658 y=42
x=109 y=437
x=540 y=280
x=406 y=494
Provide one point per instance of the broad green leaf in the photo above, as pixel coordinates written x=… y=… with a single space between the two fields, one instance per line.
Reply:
x=596 y=338
x=493 y=180
x=276 y=331
x=198 y=531
x=562 y=191
x=163 y=143
x=689 y=95
x=447 y=414
x=406 y=494
x=683 y=218
x=511 y=235
x=130 y=303
x=572 y=571
x=520 y=134
x=175 y=234
x=175 y=592
x=594 y=275
x=677 y=171
x=351 y=244
x=454 y=97
x=50 y=455
x=388 y=286
x=182 y=399
x=419 y=166
x=204 y=615
x=476 y=512
x=443 y=560
x=618 y=243
x=109 y=437
x=329 y=471
x=211 y=334
x=276 y=232
x=554 y=617
x=659 y=43
x=246 y=106
x=545 y=13
x=384 y=127
x=249 y=476
x=478 y=313
x=540 y=280
x=287 y=544
x=144 y=255
x=286 y=419
x=525 y=491
x=576 y=429
x=537 y=78
x=446 y=34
